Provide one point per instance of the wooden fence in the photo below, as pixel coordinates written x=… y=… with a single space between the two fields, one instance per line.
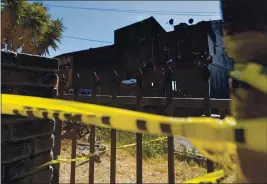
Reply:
x=139 y=102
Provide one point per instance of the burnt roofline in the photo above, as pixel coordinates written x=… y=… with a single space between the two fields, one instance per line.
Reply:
x=203 y=21
x=140 y=22
x=82 y=51
x=150 y=18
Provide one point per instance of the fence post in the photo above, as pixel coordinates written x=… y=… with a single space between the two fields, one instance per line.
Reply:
x=92 y=133
x=171 y=172
x=115 y=89
x=206 y=93
x=58 y=128
x=139 y=136
x=74 y=133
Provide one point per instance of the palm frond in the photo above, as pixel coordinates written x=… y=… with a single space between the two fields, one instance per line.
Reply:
x=30 y=27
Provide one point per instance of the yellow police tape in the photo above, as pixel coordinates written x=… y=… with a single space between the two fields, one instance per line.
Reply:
x=84 y=158
x=253 y=74
x=214 y=177
x=215 y=139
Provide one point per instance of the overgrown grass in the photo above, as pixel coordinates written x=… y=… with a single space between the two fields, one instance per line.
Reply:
x=155 y=170
x=152 y=149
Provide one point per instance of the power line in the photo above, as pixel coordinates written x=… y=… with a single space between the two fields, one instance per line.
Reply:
x=138 y=11
x=122 y=10
x=86 y=39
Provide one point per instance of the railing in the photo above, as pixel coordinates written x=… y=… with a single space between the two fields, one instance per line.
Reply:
x=139 y=101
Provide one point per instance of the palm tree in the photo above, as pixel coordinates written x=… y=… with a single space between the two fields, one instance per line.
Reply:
x=10 y=16
x=51 y=37
x=29 y=27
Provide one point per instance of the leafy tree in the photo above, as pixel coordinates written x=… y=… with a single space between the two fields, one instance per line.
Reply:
x=29 y=27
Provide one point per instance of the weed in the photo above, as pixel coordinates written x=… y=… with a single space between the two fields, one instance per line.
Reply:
x=152 y=149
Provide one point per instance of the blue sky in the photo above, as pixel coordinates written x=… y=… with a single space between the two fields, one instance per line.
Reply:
x=100 y=25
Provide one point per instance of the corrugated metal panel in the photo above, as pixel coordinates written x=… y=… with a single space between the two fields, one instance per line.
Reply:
x=220 y=66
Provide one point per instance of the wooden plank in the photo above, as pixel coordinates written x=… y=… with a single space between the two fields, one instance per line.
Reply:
x=220 y=103
x=155 y=101
x=14 y=66
x=126 y=100
x=26 y=84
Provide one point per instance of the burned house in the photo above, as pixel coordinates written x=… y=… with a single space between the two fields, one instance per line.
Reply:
x=132 y=47
x=147 y=45
x=221 y=64
x=80 y=66
x=190 y=47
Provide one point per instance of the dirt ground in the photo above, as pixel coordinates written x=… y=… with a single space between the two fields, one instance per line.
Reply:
x=154 y=169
